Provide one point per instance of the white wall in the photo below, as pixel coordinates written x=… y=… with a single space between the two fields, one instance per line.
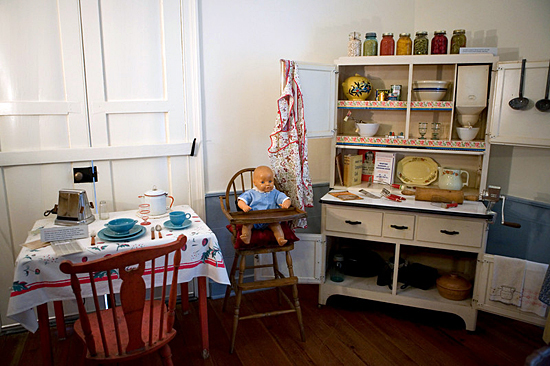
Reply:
x=243 y=40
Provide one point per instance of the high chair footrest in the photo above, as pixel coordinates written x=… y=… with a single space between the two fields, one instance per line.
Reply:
x=277 y=282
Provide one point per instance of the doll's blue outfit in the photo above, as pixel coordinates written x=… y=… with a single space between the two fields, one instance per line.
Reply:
x=263 y=201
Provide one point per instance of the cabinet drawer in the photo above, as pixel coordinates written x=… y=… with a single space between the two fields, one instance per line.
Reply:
x=450 y=231
x=353 y=221
x=398 y=226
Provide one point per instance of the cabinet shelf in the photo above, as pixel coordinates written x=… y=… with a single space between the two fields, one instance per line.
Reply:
x=383 y=293
x=396 y=105
x=443 y=145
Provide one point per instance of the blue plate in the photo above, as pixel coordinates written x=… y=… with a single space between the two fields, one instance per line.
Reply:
x=114 y=234
x=168 y=224
x=141 y=230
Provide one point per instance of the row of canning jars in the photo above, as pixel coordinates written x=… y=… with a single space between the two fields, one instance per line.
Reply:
x=405 y=46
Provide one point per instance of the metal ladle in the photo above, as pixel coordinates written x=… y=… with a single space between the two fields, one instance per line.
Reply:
x=543 y=105
x=520 y=102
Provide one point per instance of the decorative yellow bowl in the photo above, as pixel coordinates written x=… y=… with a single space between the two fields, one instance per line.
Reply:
x=357 y=87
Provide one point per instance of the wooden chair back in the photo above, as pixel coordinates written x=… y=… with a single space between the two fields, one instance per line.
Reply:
x=138 y=326
x=239 y=182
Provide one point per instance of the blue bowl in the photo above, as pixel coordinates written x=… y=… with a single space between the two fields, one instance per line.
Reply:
x=121 y=226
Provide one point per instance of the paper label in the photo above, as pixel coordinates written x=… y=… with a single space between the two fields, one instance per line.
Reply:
x=64 y=233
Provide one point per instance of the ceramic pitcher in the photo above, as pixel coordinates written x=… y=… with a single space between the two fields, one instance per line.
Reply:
x=450 y=178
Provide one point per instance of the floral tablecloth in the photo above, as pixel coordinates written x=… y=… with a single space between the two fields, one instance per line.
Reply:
x=38 y=280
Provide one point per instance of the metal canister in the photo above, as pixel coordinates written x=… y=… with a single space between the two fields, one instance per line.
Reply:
x=382 y=94
x=395 y=92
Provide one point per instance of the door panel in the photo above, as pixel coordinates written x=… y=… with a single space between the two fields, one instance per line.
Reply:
x=495 y=307
x=94 y=82
x=318 y=85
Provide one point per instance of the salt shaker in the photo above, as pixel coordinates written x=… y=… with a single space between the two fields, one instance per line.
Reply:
x=103 y=213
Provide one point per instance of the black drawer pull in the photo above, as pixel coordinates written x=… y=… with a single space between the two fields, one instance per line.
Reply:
x=399 y=227
x=450 y=232
x=353 y=222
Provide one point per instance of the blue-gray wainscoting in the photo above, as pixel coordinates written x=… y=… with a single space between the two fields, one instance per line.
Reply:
x=531 y=241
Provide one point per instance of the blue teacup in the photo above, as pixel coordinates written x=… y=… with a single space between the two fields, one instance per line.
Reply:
x=178 y=217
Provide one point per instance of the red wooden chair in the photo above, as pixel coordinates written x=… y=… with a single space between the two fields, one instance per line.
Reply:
x=138 y=326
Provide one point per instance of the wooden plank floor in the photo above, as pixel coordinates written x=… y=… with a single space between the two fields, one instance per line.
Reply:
x=345 y=332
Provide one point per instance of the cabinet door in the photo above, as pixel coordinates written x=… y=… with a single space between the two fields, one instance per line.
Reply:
x=318 y=85
x=308 y=259
x=134 y=79
x=528 y=127
x=485 y=278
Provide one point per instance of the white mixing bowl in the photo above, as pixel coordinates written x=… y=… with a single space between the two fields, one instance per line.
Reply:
x=367 y=129
x=467 y=133
x=430 y=90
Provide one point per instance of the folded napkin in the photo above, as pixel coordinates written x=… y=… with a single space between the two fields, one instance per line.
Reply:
x=532 y=284
x=508 y=278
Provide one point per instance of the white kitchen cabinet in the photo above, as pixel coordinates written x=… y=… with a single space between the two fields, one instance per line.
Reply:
x=451 y=243
x=451 y=240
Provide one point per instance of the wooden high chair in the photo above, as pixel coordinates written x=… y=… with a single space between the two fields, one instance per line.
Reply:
x=262 y=242
x=138 y=326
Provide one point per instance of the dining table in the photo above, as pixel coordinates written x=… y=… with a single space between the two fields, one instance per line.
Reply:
x=38 y=281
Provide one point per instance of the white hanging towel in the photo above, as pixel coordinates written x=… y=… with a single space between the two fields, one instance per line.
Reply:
x=288 y=150
x=508 y=277
x=534 y=277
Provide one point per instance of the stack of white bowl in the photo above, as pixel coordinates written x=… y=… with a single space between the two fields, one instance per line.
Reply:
x=430 y=90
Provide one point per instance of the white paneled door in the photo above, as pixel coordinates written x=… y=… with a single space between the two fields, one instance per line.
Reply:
x=107 y=83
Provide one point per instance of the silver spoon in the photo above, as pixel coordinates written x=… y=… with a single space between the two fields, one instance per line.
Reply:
x=543 y=105
x=159 y=228
x=520 y=102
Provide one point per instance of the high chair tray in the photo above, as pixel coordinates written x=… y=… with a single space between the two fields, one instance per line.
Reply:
x=266 y=216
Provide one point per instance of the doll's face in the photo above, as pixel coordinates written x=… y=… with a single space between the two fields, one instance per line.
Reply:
x=263 y=179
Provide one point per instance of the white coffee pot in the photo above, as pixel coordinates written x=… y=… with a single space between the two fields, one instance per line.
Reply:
x=450 y=178
x=156 y=198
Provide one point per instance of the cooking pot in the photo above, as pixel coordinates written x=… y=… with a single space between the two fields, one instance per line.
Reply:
x=454 y=287
x=156 y=198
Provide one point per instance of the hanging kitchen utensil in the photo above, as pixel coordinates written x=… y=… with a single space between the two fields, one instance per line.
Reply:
x=507 y=223
x=543 y=105
x=520 y=102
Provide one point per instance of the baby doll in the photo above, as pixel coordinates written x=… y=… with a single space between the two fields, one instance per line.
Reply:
x=263 y=197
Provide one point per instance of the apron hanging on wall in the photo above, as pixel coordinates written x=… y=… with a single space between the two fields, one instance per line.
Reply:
x=288 y=150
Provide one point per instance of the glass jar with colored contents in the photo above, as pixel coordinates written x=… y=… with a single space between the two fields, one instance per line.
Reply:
x=404 y=44
x=336 y=272
x=370 y=46
x=421 y=43
x=354 y=44
x=439 y=43
x=458 y=40
x=387 y=44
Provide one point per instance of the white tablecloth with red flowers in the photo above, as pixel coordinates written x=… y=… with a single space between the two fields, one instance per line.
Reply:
x=38 y=280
